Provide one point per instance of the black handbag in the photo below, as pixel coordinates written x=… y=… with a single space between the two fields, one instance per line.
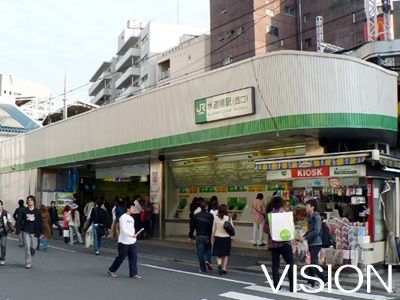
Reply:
x=229 y=227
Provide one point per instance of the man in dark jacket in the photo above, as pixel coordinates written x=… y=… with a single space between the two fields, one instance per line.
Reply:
x=54 y=217
x=30 y=223
x=202 y=223
x=15 y=216
x=98 y=217
x=314 y=239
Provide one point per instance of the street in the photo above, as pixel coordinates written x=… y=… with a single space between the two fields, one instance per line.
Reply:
x=73 y=272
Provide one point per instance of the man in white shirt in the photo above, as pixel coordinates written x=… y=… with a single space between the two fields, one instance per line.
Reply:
x=126 y=244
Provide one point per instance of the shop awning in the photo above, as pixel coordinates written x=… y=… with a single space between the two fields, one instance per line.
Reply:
x=389 y=161
x=328 y=160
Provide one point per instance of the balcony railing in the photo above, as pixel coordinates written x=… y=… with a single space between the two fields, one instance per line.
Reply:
x=102 y=95
x=126 y=60
x=100 y=84
x=127 y=77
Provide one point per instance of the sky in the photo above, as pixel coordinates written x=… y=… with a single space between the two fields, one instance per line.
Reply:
x=43 y=38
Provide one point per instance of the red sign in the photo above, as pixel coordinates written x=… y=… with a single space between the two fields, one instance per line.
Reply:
x=310 y=172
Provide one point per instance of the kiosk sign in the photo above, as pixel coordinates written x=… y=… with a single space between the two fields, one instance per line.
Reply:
x=311 y=172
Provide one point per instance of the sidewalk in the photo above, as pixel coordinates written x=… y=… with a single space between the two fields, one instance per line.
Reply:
x=242 y=258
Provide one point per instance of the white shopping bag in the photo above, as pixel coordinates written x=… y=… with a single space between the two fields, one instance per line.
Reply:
x=281 y=226
x=89 y=237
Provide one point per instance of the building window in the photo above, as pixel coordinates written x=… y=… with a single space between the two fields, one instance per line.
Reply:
x=271 y=30
x=221 y=37
x=308 y=43
x=240 y=30
x=227 y=60
x=290 y=10
x=223 y=12
x=307 y=17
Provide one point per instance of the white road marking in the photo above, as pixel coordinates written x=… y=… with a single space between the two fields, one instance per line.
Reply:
x=197 y=274
x=355 y=294
x=62 y=249
x=50 y=246
x=241 y=296
x=298 y=295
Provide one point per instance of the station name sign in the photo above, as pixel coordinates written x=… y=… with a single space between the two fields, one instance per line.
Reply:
x=339 y=171
x=225 y=106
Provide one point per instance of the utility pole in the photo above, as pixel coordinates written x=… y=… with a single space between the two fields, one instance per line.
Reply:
x=321 y=45
x=177 y=11
x=65 y=115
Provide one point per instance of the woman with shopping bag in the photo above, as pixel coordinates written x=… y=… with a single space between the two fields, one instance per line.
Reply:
x=279 y=236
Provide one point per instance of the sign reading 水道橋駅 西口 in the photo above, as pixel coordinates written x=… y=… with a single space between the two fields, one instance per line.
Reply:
x=224 y=106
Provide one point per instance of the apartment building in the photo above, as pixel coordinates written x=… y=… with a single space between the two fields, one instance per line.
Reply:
x=189 y=58
x=134 y=67
x=245 y=28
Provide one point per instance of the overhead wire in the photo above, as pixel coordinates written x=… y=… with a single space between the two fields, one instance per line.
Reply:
x=224 y=45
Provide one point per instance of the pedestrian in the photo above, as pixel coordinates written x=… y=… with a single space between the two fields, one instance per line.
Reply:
x=258 y=213
x=67 y=208
x=88 y=208
x=46 y=227
x=120 y=209
x=313 y=237
x=136 y=213
x=74 y=223
x=193 y=206
x=5 y=227
x=15 y=216
x=127 y=244
x=111 y=234
x=279 y=248
x=54 y=218
x=214 y=206
x=347 y=211
x=203 y=225
x=221 y=240
x=30 y=223
x=148 y=209
x=98 y=218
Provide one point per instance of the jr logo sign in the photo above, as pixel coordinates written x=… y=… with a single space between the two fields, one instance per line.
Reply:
x=200 y=111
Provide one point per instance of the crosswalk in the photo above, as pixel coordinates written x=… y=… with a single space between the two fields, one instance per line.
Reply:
x=258 y=292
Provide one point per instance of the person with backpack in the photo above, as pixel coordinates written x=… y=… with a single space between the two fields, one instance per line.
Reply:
x=313 y=237
x=279 y=248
